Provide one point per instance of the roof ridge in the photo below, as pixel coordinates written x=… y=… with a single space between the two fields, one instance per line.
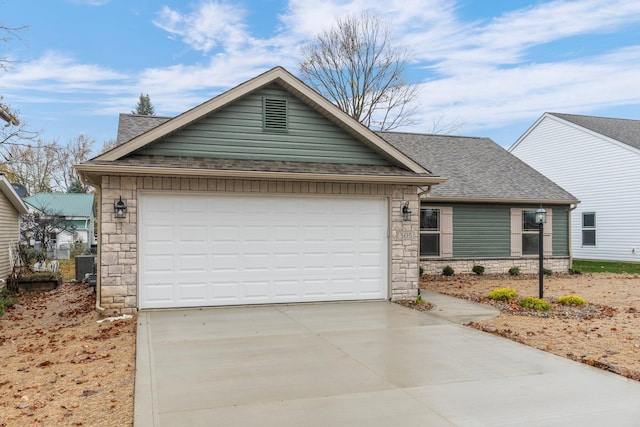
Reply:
x=432 y=134
x=593 y=117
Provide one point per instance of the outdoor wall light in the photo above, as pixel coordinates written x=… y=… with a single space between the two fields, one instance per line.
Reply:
x=120 y=208
x=406 y=212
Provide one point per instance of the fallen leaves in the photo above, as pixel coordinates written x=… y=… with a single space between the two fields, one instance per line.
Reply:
x=59 y=367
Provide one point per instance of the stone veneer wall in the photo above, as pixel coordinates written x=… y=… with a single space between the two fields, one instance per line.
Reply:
x=494 y=265
x=118 y=262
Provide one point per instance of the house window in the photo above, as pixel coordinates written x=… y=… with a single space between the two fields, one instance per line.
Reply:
x=530 y=233
x=430 y=232
x=274 y=114
x=588 y=229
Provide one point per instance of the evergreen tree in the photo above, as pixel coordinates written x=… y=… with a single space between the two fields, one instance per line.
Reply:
x=144 y=106
x=76 y=187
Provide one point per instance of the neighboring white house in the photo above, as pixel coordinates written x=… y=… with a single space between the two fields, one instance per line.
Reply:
x=597 y=159
x=78 y=212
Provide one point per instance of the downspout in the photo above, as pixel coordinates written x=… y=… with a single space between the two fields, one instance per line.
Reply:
x=424 y=191
x=99 y=308
x=572 y=207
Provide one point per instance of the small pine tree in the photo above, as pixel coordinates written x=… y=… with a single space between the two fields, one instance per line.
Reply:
x=76 y=187
x=144 y=106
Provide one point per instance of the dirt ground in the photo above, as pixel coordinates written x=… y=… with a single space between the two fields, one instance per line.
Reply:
x=58 y=366
x=604 y=333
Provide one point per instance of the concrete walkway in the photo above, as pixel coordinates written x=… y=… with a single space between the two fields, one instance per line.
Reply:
x=360 y=364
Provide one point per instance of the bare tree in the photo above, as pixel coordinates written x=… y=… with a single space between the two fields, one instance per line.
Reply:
x=8 y=34
x=355 y=66
x=75 y=152
x=108 y=145
x=41 y=227
x=14 y=131
x=34 y=166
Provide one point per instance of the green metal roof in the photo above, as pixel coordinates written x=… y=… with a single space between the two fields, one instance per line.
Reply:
x=64 y=204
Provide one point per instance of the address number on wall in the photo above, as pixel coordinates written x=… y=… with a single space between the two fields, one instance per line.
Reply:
x=405 y=234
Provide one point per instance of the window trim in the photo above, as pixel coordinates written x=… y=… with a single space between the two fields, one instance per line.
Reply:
x=589 y=228
x=445 y=232
x=516 y=233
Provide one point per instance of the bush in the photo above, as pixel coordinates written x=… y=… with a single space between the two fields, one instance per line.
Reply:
x=502 y=294
x=7 y=300
x=571 y=300
x=575 y=271
x=447 y=271
x=478 y=269
x=547 y=272
x=535 y=303
x=514 y=271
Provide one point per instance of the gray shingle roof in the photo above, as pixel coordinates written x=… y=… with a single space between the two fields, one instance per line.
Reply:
x=623 y=130
x=256 y=166
x=132 y=125
x=476 y=168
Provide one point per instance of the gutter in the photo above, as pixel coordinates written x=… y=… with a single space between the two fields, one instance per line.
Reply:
x=267 y=175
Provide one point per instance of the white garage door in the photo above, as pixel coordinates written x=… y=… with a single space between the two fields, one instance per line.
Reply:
x=203 y=250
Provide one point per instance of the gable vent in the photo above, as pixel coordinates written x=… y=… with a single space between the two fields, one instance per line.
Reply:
x=275 y=114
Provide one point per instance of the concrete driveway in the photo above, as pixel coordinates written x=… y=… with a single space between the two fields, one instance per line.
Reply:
x=360 y=364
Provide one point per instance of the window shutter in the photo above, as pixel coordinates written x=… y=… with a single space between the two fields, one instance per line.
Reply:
x=446 y=232
x=547 y=238
x=516 y=232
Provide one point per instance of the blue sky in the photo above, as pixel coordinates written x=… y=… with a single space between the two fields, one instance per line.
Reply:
x=494 y=66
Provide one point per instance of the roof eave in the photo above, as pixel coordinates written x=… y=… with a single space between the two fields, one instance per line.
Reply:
x=93 y=172
x=496 y=200
x=12 y=196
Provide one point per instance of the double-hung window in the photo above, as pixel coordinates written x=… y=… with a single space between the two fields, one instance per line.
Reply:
x=430 y=219
x=588 y=229
x=530 y=233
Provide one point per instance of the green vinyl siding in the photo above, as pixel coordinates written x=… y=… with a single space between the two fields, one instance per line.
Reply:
x=560 y=230
x=484 y=231
x=237 y=132
x=481 y=231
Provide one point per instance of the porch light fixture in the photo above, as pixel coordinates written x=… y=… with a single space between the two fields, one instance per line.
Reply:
x=406 y=212
x=541 y=218
x=120 y=208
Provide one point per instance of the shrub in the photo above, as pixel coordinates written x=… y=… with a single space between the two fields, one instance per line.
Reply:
x=478 y=269
x=571 y=300
x=514 y=271
x=535 y=303
x=503 y=294
x=575 y=271
x=7 y=300
x=547 y=272
x=447 y=271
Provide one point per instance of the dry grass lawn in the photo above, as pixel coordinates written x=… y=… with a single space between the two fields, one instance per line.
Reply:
x=605 y=332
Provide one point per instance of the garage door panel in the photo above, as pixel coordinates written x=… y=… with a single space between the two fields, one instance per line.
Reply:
x=199 y=250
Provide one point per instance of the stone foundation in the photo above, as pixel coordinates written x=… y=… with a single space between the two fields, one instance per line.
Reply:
x=494 y=265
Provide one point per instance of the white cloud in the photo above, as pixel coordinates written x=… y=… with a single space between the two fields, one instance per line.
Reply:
x=211 y=25
x=482 y=73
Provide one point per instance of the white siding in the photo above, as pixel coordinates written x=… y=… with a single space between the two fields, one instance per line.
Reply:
x=603 y=174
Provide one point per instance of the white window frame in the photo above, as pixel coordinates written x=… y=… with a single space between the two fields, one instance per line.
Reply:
x=516 y=232
x=589 y=228
x=445 y=231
